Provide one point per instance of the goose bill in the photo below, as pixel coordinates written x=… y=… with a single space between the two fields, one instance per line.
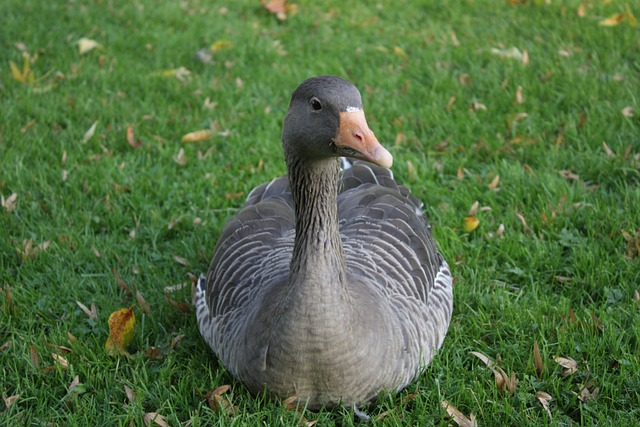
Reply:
x=356 y=140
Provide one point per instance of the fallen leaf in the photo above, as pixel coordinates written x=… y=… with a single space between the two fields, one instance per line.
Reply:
x=121 y=283
x=510 y=53
x=180 y=73
x=33 y=354
x=494 y=182
x=197 y=136
x=218 y=402
x=398 y=51
x=454 y=39
x=490 y=363
x=154 y=353
x=219 y=45
x=474 y=208
x=519 y=97
x=544 y=399
x=9 y=401
x=585 y=395
x=500 y=231
x=570 y=366
x=9 y=203
x=291 y=403
x=180 y=260
x=144 y=305
x=121 y=327
x=25 y=75
x=175 y=341
x=87 y=45
x=596 y=322
x=64 y=364
x=74 y=383
x=523 y=221
x=471 y=223
x=93 y=313
x=537 y=359
x=178 y=305
x=5 y=346
x=608 y=150
x=89 y=133
x=156 y=418
x=581 y=12
x=131 y=396
x=457 y=416
x=133 y=143
x=475 y=106
x=627 y=111
x=280 y=8
x=180 y=158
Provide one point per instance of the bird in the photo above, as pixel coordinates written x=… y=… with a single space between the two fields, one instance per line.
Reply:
x=327 y=285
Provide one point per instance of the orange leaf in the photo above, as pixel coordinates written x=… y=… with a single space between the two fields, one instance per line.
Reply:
x=197 y=136
x=471 y=223
x=121 y=327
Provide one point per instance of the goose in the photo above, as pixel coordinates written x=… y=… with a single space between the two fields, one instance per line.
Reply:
x=327 y=284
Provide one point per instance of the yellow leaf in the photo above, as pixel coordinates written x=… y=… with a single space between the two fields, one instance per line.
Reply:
x=471 y=223
x=398 y=51
x=613 y=20
x=197 y=136
x=220 y=45
x=15 y=72
x=121 y=327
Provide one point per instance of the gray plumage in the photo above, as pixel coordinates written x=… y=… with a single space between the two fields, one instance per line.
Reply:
x=327 y=285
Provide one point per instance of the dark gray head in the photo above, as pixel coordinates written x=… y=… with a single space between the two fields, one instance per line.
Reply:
x=326 y=119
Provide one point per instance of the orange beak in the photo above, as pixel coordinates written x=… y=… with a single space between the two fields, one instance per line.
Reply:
x=356 y=140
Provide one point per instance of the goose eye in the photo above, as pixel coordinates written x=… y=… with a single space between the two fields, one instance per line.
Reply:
x=315 y=104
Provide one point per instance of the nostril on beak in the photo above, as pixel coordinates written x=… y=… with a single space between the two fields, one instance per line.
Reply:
x=357 y=134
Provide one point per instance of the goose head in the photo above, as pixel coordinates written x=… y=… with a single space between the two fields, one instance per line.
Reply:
x=326 y=120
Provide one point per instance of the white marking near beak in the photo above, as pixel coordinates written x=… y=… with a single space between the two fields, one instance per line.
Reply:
x=353 y=109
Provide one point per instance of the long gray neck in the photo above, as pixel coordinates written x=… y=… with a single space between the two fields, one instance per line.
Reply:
x=318 y=258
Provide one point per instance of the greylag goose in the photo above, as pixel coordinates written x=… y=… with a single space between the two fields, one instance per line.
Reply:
x=327 y=284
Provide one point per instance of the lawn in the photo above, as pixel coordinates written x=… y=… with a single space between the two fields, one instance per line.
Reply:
x=521 y=115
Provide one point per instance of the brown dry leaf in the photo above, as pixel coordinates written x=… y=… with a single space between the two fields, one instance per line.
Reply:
x=454 y=38
x=144 y=305
x=180 y=260
x=154 y=353
x=74 y=383
x=155 y=418
x=500 y=232
x=121 y=283
x=33 y=354
x=175 y=341
x=89 y=133
x=131 y=395
x=9 y=203
x=30 y=251
x=490 y=363
x=494 y=182
x=474 y=208
x=627 y=111
x=180 y=158
x=5 y=346
x=570 y=366
x=537 y=359
x=581 y=12
x=178 y=305
x=597 y=322
x=618 y=18
x=8 y=301
x=458 y=417
x=9 y=401
x=131 y=139
x=608 y=150
x=544 y=399
x=452 y=100
x=291 y=403
x=64 y=364
x=121 y=328
x=180 y=73
x=586 y=395
x=60 y=348
x=471 y=223
x=519 y=96
x=72 y=338
x=636 y=296
x=475 y=106
x=218 y=402
x=280 y=8
x=197 y=136
x=96 y=252
x=93 y=313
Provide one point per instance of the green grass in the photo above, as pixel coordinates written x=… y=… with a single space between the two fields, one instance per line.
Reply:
x=91 y=198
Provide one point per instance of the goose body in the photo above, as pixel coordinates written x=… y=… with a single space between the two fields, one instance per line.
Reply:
x=327 y=284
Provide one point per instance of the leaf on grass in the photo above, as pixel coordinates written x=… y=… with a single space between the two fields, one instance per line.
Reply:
x=178 y=305
x=131 y=139
x=471 y=223
x=618 y=18
x=523 y=221
x=474 y=208
x=280 y=8
x=64 y=364
x=597 y=322
x=154 y=353
x=144 y=305
x=570 y=366
x=494 y=182
x=582 y=10
x=458 y=417
x=218 y=402
x=567 y=174
x=490 y=363
x=5 y=346
x=9 y=203
x=475 y=106
x=544 y=399
x=180 y=158
x=86 y=45
x=175 y=341
x=627 y=111
x=155 y=418
x=510 y=53
x=291 y=403
x=30 y=251
x=608 y=150
x=9 y=401
x=121 y=283
x=89 y=133
x=180 y=73
x=93 y=313
x=131 y=395
x=537 y=359
x=33 y=354
x=75 y=382
x=197 y=136
x=22 y=76
x=121 y=327
x=398 y=51
x=585 y=395
x=220 y=45
x=180 y=260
